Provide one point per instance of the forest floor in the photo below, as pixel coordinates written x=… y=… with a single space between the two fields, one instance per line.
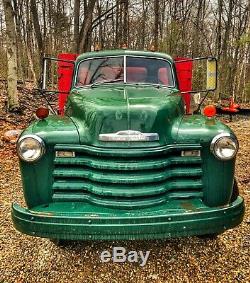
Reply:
x=28 y=259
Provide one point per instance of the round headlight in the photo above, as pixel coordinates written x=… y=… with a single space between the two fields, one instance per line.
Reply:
x=30 y=148
x=224 y=146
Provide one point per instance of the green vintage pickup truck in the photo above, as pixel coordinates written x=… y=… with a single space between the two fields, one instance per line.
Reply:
x=125 y=161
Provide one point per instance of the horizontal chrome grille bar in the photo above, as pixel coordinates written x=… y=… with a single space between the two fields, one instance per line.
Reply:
x=125 y=190
x=126 y=152
x=124 y=203
x=121 y=178
x=131 y=164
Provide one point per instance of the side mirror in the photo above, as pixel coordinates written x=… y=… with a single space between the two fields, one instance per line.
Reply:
x=57 y=75
x=196 y=74
x=211 y=74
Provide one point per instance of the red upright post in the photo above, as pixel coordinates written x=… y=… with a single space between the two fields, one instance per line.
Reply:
x=65 y=73
x=184 y=74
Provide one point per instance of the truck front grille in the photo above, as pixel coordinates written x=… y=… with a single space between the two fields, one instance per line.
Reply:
x=126 y=179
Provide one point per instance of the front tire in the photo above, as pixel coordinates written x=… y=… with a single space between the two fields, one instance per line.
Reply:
x=235 y=192
x=234 y=196
x=60 y=242
x=212 y=236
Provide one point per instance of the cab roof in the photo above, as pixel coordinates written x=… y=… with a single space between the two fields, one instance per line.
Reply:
x=123 y=52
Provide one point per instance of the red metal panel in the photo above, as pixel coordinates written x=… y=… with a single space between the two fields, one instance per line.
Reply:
x=184 y=74
x=65 y=73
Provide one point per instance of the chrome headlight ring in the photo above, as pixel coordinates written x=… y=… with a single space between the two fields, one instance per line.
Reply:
x=224 y=146
x=30 y=148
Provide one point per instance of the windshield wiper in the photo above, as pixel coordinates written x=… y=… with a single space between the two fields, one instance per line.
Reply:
x=150 y=84
x=107 y=82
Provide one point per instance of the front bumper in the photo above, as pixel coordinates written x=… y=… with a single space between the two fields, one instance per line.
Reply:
x=78 y=221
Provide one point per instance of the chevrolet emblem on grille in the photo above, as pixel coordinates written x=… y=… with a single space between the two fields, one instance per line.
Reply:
x=129 y=135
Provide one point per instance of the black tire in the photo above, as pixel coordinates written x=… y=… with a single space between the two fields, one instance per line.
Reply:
x=234 y=196
x=235 y=192
x=60 y=242
x=212 y=236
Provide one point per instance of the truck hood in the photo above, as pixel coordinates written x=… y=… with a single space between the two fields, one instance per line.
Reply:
x=109 y=110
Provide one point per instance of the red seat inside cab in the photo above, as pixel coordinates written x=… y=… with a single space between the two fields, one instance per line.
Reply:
x=163 y=76
x=136 y=74
x=83 y=77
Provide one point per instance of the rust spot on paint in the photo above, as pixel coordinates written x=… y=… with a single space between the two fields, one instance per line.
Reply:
x=187 y=205
x=210 y=122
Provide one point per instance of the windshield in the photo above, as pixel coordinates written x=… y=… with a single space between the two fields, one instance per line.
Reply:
x=137 y=70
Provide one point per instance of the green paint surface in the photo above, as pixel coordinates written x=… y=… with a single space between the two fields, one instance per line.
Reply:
x=127 y=190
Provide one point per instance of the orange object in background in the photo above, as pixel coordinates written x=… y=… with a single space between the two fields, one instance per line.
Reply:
x=233 y=107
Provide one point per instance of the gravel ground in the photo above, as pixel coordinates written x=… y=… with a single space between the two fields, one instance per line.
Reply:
x=27 y=259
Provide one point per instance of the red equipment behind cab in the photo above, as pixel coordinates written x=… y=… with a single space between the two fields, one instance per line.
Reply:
x=184 y=74
x=66 y=70
x=65 y=74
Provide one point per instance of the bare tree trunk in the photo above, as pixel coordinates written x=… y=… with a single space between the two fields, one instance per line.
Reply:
x=101 y=27
x=125 y=23
x=228 y=26
x=143 y=28
x=156 y=24
x=118 y=24
x=57 y=28
x=13 y=104
x=19 y=43
x=197 y=28
x=37 y=28
x=44 y=20
x=76 y=24
x=31 y=65
x=219 y=28
x=86 y=26
x=28 y=44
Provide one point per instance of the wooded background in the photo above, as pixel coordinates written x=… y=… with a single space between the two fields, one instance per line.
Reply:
x=189 y=28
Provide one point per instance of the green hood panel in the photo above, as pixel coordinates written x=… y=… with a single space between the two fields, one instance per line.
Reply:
x=106 y=109
x=54 y=129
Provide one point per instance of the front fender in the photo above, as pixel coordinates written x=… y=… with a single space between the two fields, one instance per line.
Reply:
x=218 y=175
x=37 y=176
